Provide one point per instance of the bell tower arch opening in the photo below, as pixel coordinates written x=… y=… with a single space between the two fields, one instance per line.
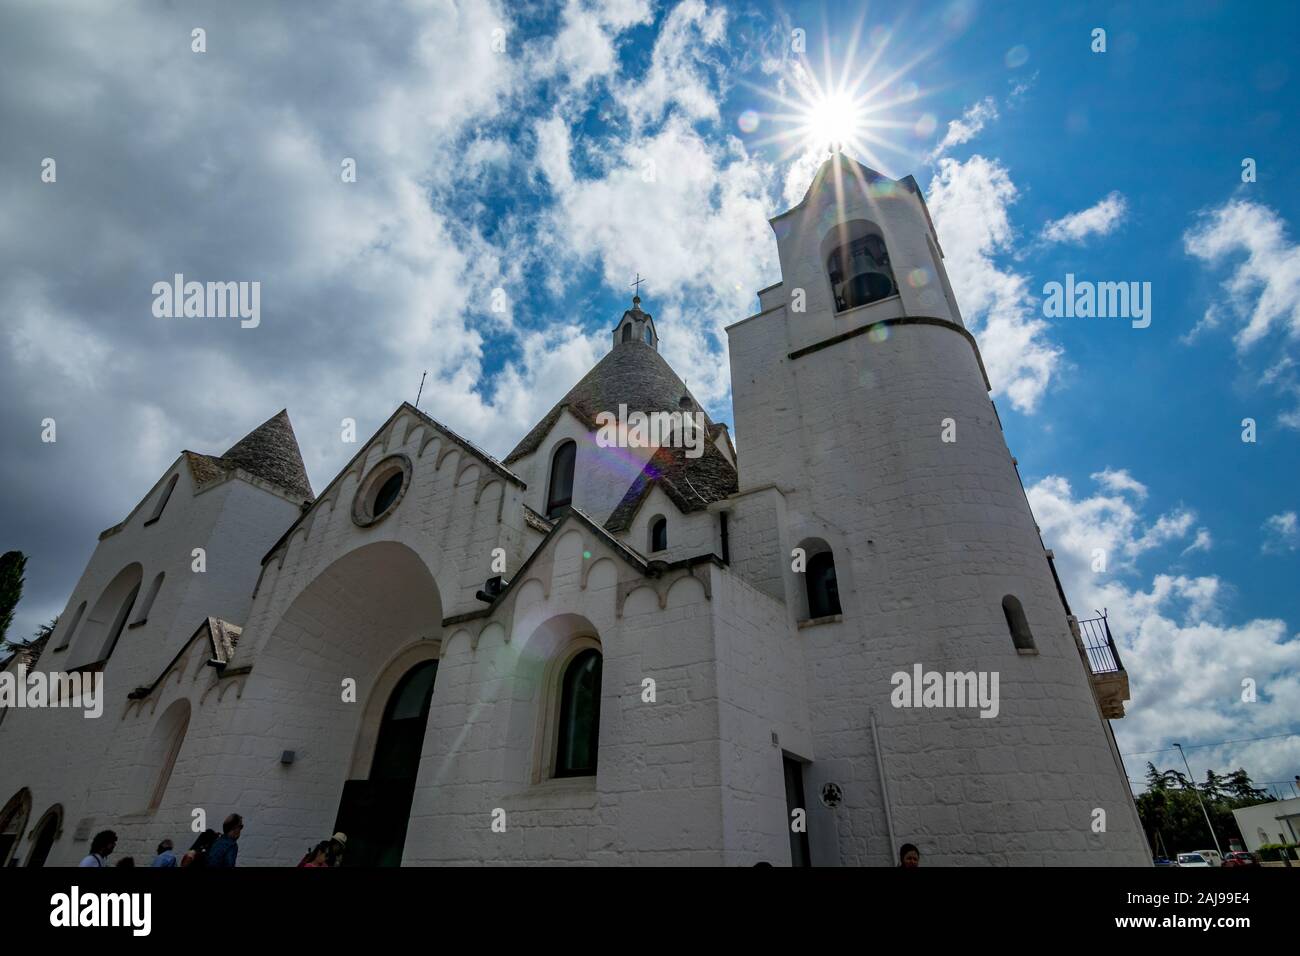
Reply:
x=857 y=264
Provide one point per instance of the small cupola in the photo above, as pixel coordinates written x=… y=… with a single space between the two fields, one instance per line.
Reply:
x=636 y=327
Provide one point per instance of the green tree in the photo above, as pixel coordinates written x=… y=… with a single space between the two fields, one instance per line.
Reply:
x=1170 y=807
x=12 y=566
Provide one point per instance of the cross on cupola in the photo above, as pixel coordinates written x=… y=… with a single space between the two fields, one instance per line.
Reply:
x=636 y=327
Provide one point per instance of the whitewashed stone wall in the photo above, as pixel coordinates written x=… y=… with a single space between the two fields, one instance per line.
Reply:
x=105 y=768
x=928 y=536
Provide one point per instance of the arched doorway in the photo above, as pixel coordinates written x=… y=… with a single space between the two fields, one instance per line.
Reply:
x=355 y=628
x=374 y=811
x=46 y=832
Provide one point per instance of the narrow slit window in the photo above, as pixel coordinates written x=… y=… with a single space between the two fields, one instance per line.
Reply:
x=1018 y=624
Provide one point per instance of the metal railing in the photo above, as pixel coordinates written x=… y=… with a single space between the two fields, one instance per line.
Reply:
x=1103 y=657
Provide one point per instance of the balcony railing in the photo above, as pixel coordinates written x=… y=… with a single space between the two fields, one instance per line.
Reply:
x=1103 y=657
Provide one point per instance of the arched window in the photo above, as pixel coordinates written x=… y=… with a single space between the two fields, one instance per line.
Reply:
x=857 y=264
x=401 y=735
x=147 y=604
x=578 y=731
x=106 y=619
x=649 y=336
x=561 y=486
x=659 y=534
x=13 y=821
x=46 y=831
x=162 y=500
x=119 y=623
x=627 y=332
x=71 y=629
x=823 y=590
x=1018 y=624
x=168 y=736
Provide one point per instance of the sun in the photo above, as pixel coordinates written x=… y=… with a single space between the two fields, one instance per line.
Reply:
x=832 y=120
x=863 y=109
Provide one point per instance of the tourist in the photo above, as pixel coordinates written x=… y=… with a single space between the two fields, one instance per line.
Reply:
x=337 y=844
x=909 y=857
x=197 y=855
x=166 y=855
x=225 y=851
x=105 y=842
x=317 y=856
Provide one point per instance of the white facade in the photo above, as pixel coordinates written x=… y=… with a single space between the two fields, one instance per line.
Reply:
x=1276 y=822
x=716 y=689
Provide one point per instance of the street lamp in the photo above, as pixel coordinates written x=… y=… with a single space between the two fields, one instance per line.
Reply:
x=1197 y=791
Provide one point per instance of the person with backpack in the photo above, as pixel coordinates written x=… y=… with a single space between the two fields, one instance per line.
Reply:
x=197 y=855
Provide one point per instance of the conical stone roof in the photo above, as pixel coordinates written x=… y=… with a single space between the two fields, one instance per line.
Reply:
x=270 y=451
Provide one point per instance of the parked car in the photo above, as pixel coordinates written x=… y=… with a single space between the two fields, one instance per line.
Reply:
x=1240 y=858
x=1200 y=858
x=1164 y=861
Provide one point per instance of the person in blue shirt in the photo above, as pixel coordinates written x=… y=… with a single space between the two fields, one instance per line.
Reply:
x=226 y=849
x=166 y=855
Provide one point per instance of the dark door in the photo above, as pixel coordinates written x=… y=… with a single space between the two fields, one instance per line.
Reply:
x=794 y=800
x=374 y=812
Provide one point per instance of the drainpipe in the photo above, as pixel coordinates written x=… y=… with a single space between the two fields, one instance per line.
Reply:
x=884 y=785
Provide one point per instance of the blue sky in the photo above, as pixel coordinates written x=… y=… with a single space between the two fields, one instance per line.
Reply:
x=522 y=171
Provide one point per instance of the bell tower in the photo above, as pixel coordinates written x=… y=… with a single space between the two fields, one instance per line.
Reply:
x=872 y=455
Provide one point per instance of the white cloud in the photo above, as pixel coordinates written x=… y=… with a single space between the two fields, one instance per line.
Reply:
x=679 y=68
x=970 y=125
x=690 y=215
x=1185 y=664
x=1204 y=542
x=1262 y=291
x=1282 y=533
x=1264 y=288
x=585 y=47
x=1099 y=220
x=1118 y=479
x=969 y=202
x=799 y=176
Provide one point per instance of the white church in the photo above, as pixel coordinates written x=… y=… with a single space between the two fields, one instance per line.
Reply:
x=585 y=654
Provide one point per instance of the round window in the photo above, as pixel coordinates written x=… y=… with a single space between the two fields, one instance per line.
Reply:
x=381 y=490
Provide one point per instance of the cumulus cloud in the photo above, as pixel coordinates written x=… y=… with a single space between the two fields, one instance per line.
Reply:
x=970 y=204
x=1186 y=663
x=688 y=213
x=226 y=166
x=681 y=67
x=585 y=47
x=1281 y=533
x=1118 y=479
x=1099 y=220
